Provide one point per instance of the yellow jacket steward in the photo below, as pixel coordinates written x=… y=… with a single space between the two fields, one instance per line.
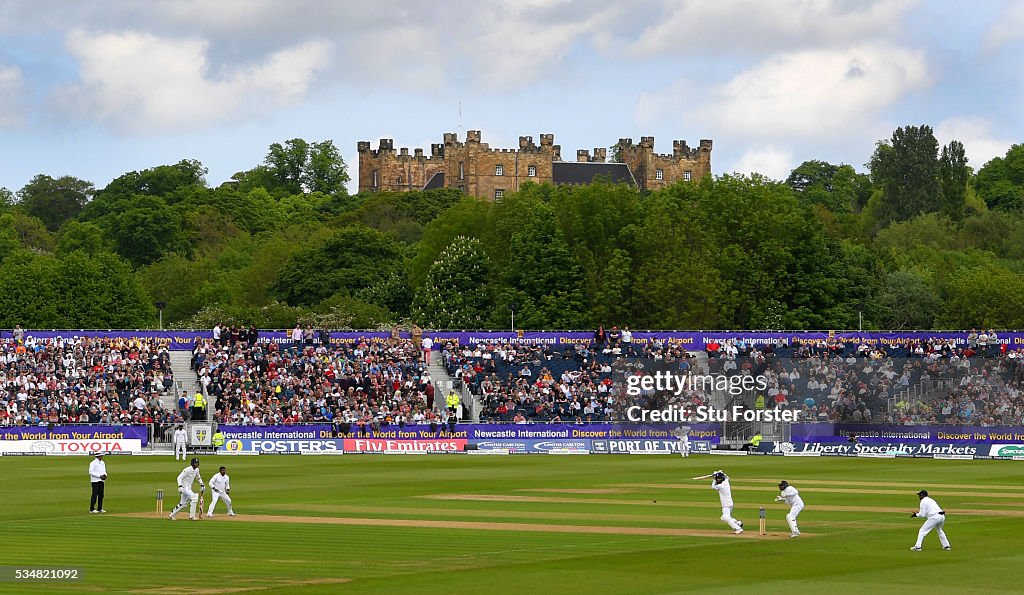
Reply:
x=199 y=402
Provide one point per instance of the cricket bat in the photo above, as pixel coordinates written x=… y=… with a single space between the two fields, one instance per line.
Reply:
x=709 y=475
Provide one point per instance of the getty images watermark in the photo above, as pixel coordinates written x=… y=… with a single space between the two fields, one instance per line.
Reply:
x=667 y=382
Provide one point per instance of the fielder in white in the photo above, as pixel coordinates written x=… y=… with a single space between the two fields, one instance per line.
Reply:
x=179 y=443
x=683 y=433
x=935 y=518
x=721 y=485
x=186 y=478
x=791 y=496
x=220 y=485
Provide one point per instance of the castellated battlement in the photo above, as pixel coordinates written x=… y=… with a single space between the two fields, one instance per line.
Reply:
x=477 y=169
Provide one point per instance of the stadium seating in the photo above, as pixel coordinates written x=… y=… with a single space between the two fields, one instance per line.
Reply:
x=81 y=379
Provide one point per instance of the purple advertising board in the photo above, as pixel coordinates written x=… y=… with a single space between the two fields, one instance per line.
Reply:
x=76 y=433
x=475 y=432
x=694 y=340
x=884 y=433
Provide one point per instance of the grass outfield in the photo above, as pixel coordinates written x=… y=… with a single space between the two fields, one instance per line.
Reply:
x=516 y=524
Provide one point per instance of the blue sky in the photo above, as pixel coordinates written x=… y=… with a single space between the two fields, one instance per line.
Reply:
x=94 y=89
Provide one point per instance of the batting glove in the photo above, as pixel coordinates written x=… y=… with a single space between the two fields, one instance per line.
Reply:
x=913 y=514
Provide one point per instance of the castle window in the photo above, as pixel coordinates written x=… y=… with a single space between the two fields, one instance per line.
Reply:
x=376 y=178
x=659 y=174
x=687 y=175
x=499 y=193
x=499 y=170
x=462 y=170
x=531 y=171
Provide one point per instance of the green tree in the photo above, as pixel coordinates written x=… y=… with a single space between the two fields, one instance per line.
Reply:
x=1000 y=182
x=32 y=233
x=7 y=199
x=84 y=236
x=906 y=302
x=538 y=270
x=146 y=229
x=456 y=293
x=101 y=291
x=906 y=170
x=470 y=217
x=55 y=200
x=170 y=182
x=30 y=294
x=677 y=284
x=353 y=259
x=991 y=297
x=839 y=188
x=954 y=175
x=299 y=166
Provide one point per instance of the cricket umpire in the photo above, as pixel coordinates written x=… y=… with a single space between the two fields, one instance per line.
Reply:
x=97 y=478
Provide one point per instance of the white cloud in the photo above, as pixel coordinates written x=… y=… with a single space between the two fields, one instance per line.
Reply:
x=771 y=161
x=745 y=26
x=1008 y=28
x=138 y=82
x=976 y=135
x=516 y=44
x=11 y=88
x=816 y=92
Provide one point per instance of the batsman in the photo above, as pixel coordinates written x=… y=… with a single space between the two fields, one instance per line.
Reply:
x=720 y=484
x=186 y=478
x=791 y=496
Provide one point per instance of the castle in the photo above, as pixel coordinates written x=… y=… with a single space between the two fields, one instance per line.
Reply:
x=481 y=171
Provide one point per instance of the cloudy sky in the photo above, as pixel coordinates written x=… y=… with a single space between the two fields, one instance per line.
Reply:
x=94 y=89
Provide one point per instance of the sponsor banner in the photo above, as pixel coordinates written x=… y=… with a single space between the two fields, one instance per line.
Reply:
x=861 y=449
x=729 y=452
x=70 y=447
x=373 y=445
x=1006 y=450
x=280 y=446
x=700 y=447
x=532 y=446
x=954 y=457
x=76 y=432
x=480 y=432
x=884 y=433
x=631 y=446
x=185 y=340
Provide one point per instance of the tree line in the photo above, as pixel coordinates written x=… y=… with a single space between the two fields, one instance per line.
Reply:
x=918 y=240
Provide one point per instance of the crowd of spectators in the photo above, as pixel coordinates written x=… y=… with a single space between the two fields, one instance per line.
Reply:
x=81 y=379
x=827 y=380
x=577 y=383
x=357 y=387
x=361 y=388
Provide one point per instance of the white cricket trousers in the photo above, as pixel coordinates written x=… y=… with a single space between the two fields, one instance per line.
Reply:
x=727 y=517
x=188 y=497
x=684 y=447
x=936 y=521
x=179 y=448
x=794 y=511
x=218 y=495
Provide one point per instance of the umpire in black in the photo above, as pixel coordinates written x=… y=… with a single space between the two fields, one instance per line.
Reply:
x=98 y=477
